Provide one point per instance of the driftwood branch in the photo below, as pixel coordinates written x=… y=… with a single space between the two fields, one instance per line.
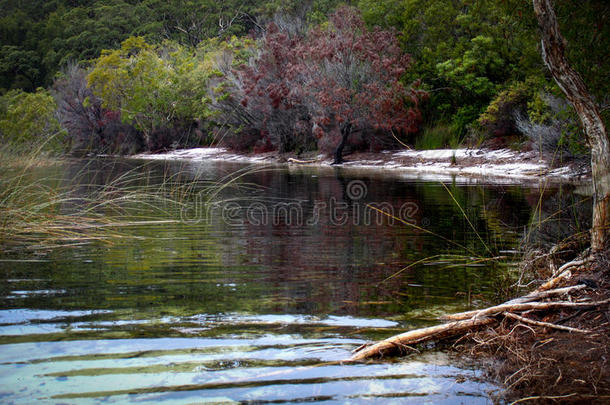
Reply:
x=564 y=272
x=472 y=320
x=539 y=295
x=534 y=296
x=400 y=342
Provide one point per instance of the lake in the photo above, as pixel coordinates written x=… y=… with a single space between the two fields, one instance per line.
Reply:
x=250 y=284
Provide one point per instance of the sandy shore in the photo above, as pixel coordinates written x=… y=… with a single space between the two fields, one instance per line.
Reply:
x=503 y=165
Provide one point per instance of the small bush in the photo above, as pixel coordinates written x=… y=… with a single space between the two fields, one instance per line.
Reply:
x=498 y=119
x=163 y=91
x=551 y=125
x=90 y=127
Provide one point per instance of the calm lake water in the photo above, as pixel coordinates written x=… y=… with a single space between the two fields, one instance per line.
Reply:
x=253 y=292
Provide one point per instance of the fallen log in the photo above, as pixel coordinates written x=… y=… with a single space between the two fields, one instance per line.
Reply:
x=470 y=321
x=401 y=342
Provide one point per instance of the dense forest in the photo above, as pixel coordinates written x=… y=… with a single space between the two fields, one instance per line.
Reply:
x=123 y=76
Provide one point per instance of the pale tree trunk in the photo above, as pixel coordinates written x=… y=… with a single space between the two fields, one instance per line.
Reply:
x=570 y=82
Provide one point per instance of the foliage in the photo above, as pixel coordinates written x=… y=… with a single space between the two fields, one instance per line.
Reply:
x=464 y=51
x=132 y=80
x=231 y=123
x=438 y=137
x=330 y=78
x=468 y=52
x=160 y=90
x=19 y=68
x=498 y=118
x=354 y=79
x=585 y=27
x=90 y=127
x=552 y=126
x=41 y=36
x=468 y=55
x=29 y=118
x=268 y=96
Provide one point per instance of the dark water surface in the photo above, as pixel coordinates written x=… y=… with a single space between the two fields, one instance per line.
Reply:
x=254 y=297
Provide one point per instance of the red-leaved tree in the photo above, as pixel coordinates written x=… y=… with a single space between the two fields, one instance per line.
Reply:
x=353 y=82
x=330 y=82
x=265 y=107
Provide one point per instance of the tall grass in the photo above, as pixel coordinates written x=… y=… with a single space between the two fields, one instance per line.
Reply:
x=42 y=210
x=437 y=137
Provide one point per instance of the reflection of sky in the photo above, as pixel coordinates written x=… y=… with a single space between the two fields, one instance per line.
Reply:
x=17 y=316
x=269 y=368
x=272 y=366
x=21 y=294
x=297 y=320
x=30 y=322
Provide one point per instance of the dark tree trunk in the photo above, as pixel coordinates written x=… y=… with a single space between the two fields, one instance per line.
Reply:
x=570 y=82
x=346 y=130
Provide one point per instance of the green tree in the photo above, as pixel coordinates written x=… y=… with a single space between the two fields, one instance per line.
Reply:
x=134 y=80
x=19 y=68
x=155 y=87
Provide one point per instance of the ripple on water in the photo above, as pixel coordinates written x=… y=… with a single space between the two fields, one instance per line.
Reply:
x=271 y=367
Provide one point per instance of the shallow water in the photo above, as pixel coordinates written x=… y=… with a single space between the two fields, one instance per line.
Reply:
x=257 y=294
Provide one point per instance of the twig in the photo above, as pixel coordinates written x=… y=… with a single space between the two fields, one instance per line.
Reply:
x=545 y=324
x=564 y=273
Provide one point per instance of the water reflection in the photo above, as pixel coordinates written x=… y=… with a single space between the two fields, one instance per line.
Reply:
x=257 y=305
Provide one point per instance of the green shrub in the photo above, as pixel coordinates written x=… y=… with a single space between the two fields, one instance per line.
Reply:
x=552 y=126
x=28 y=119
x=499 y=117
x=463 y=119
x=161 y=90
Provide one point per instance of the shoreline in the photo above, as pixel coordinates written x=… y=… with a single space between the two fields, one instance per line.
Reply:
x=460 y=165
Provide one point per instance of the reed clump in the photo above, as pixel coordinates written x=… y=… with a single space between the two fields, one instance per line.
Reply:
x=40 y=208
